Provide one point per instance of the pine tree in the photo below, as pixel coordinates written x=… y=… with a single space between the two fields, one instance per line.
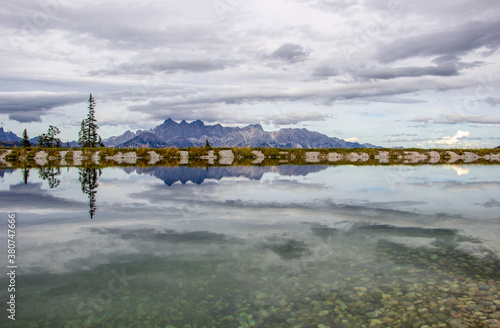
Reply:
x=207 y=145
x=49 y=140
x=26 y=140
x=83 y=139
x=43 y=141
x=51 y=133
x=88 y=136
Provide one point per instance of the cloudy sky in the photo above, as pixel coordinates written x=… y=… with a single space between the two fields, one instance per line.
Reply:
x=392 y=73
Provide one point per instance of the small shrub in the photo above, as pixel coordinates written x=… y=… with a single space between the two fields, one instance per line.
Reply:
x=243 y=153
x=197 y=152
x=168 y=153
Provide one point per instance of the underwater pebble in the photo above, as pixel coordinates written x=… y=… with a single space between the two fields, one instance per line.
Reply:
x=375 y=323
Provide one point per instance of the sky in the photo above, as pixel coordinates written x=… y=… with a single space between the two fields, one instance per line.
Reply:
x=391 y=73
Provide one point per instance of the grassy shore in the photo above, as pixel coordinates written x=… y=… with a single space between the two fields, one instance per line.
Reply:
x=32 y=157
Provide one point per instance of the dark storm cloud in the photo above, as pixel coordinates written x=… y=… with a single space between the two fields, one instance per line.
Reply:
x=170 y=66
x=461 y=40
x=30 y=106
x=290 y=53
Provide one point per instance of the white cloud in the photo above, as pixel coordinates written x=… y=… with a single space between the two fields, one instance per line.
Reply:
x=352 y=139
x=451 y=140
x=457 y=168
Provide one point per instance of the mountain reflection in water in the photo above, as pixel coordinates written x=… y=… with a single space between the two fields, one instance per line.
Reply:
x=198 y=175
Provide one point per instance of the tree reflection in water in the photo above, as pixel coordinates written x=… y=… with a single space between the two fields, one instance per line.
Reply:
x=26 y=175
x=50 y=174
x=88 y=179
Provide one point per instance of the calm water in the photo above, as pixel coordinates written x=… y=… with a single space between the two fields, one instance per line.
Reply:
x=287 y=246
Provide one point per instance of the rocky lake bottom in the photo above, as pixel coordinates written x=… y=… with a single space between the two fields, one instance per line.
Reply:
x=278 y=246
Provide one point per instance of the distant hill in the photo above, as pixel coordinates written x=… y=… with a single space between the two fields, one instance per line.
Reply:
x=195 y=134
x=10 y=139
x=9 y=144
x=8 y=136
x=496 y=147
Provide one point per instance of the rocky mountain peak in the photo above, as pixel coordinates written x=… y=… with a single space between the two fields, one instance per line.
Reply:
x=184 y=134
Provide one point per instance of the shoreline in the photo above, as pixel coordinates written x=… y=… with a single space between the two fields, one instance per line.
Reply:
x=40 y=157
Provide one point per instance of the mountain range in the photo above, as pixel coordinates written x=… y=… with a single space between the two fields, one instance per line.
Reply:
x=8 y=136
x=10 y=139
x=196 y=133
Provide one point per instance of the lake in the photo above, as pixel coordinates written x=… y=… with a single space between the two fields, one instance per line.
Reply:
x=254 y=246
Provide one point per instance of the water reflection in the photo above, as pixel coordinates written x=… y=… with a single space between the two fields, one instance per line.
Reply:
x=291 y=246
x=306 y=275
x=198 y=175
x=49 y=174
x=88 y=179
x=26 y=175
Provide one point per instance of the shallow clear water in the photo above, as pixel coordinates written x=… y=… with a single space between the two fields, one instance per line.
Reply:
x=287 y=246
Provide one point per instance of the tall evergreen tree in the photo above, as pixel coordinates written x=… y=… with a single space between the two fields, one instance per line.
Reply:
x=26 y=140
x=83 y=139
x=88 y=136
